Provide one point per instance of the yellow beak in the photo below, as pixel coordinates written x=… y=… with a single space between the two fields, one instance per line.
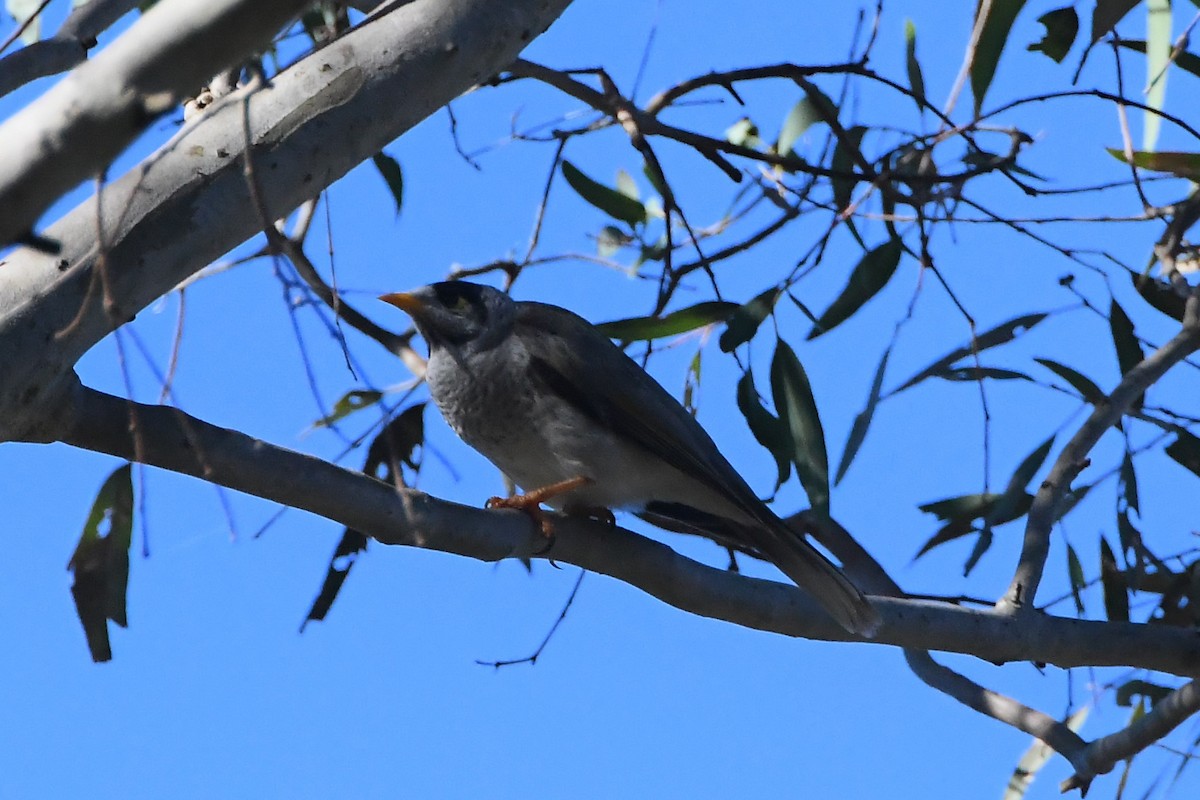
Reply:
x=406 y=302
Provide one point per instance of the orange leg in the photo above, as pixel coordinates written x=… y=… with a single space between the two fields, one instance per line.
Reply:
x=531 y=502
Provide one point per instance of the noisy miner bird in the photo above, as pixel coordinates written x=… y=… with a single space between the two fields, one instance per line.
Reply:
x=578 y=425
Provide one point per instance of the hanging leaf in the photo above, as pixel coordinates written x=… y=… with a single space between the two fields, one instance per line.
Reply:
x=100 y=562
x=1001 y=334
x=845 y=165
x=1076 y=576
x=1160 y=295
x=916 y=81
x=389 y=168
x=1062 y=26
x=993 y=37
x=870 y=275
x=744 y=322
x=1182 y=165
x=1107 y=14
x=1116 y=594
x=345 y=555
x=610 y=201
x=802 y=116
x=858 y=431
x=1079 y=382
x=673 y=324
x=982 y=544
x=767 y=429
x=798 y=412
x=1127 y=484
x=396 y=444
x=1185 y=451
x=1129 y=349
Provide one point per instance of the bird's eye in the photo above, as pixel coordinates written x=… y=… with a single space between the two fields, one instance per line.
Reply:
x=461 y=305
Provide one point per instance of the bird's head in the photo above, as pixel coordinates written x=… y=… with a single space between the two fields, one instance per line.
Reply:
x=457 y=314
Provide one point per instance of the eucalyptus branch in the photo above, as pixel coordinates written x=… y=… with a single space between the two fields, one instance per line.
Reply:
x=1166 y=715
x=174 y=440
x=1074 y=457
x=66 y=48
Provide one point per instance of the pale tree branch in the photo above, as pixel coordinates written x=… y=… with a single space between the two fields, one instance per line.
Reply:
x=1166 y=715
x=66 y=48
x=872 y=577
x=169 y=438
x=188 y=203
x=75 y=129
x=1074 y=457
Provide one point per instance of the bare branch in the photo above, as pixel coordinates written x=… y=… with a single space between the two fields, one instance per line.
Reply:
x=174 y=48
x=173 y=440
x=1073 y=458
x=68 y=47
x=1166 y=715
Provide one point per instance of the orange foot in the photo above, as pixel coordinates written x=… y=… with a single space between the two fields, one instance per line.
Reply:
x=531 y=503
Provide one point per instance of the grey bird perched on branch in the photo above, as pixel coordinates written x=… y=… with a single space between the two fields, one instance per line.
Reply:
x=578 y=425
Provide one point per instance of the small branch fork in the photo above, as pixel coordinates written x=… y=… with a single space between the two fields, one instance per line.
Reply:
x=169 y=438
x=1089 y=759
x=1073 y=459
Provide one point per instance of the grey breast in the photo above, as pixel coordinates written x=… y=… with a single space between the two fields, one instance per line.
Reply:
x=489 y=401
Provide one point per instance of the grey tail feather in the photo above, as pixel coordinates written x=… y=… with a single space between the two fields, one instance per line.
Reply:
x=813 y=573
x=773 y=540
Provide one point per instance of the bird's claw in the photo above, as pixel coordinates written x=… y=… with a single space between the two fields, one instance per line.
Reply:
x=529 y=505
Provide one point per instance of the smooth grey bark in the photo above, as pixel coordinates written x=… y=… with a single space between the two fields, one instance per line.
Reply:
x=82 y=123
x=189 y=203
x=169 y=438
x=66 y=48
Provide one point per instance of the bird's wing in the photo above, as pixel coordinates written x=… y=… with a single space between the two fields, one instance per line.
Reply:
x=570 y=354
x=624 y=398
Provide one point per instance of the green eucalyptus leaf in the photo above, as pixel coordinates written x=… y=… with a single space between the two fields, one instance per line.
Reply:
x=100 y=562
x=798 y=411
x=767 y=429
x=673 y=324
x=1185 y=451
x=745 y=321
x=610 y=201
x=870 y=275
x=1177 y=163
x=1129 y=349
x=1001 y=334
x=992 y=39
x=1160 y=295
x=916 y=81
x=976 y=374
x=1062 y=26
x=389 y=168
x=1107 y=14
x=1116 y=593
x=1077 y=578
x=858 y=431
x=1078 y=381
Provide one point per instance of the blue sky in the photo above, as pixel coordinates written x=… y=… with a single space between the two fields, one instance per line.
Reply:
x=212 y=693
